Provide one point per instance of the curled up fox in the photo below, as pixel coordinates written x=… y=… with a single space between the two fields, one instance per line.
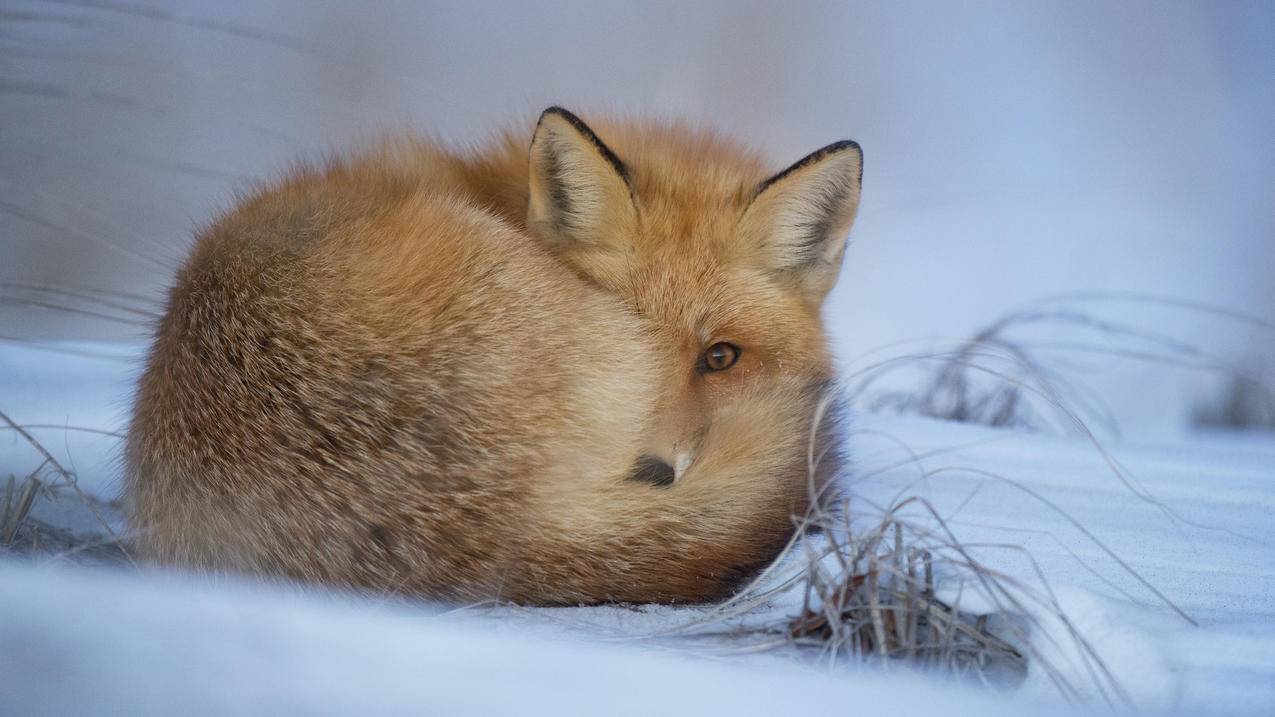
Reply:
x=580 y=364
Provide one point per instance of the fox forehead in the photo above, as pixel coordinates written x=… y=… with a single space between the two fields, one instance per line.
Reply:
x=707 y=298
x=687 y=271
x=685 y=164
x=690 y=227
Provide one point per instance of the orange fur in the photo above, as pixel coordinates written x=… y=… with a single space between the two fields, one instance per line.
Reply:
x=435 y=372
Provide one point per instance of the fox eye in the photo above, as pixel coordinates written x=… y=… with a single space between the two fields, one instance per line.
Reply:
x=720 y=356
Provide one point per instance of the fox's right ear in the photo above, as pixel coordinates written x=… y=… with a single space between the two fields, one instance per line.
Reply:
x=580 y=196
x=797 y=222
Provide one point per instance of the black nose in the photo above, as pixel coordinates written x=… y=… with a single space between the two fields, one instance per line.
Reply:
x=649 y=469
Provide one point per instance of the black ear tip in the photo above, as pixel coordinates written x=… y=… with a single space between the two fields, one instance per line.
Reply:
x=842 y=146
x=584 y=130
x=556 y=111
x=845 y=145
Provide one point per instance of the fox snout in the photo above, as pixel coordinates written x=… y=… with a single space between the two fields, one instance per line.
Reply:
x=653 y=470
x=662 y=470
x=674 y=444
x=658 y=471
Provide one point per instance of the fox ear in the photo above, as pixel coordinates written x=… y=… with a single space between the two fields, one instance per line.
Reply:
x=798 y=219
x=579 y=189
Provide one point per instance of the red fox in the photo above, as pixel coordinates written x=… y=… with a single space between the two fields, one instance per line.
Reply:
x=582 y=372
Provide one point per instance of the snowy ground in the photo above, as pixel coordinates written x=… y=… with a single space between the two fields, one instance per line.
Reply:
x=76 y=639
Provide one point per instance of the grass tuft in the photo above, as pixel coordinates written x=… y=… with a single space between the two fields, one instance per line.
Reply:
x=1243 y=403
x=1008 y=373
x=21 y=533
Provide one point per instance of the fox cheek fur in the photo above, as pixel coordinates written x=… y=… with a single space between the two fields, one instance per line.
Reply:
x=585 y=372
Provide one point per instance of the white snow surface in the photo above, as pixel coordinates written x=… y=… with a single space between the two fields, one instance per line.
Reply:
x=109 y=644
x=78 y=640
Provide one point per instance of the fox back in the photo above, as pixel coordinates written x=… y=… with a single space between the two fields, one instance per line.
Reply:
x=555 y=370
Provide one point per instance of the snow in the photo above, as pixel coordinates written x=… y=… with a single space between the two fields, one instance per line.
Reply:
x=75 y=639
x=93 y=643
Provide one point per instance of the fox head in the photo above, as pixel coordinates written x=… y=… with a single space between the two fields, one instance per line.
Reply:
x=727 y=265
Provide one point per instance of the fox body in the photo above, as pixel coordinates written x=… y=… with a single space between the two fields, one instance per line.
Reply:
x=577 y=367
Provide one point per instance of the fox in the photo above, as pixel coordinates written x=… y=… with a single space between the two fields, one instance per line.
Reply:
x=576 y=365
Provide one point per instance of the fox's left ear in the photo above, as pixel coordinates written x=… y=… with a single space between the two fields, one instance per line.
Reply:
x=798 y=219
x=580 y=198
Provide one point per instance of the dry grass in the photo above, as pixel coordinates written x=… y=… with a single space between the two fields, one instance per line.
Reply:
x=892 y=594
x=877 y=599
x=22 y=534
x=118 y=307
x=1242 y=402
x=1004 y=376
x=17 y=505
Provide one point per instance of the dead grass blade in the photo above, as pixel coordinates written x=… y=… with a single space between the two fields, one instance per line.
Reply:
x=67 y=477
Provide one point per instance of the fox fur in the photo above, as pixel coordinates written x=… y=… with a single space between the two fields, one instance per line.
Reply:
x=481 y=374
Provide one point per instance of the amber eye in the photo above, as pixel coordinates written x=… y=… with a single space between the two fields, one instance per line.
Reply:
x=720 y=356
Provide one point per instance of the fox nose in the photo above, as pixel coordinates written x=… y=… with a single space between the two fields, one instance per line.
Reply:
x=653 y=470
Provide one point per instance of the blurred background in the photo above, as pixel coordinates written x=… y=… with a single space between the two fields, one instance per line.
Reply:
x=1101 y=172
